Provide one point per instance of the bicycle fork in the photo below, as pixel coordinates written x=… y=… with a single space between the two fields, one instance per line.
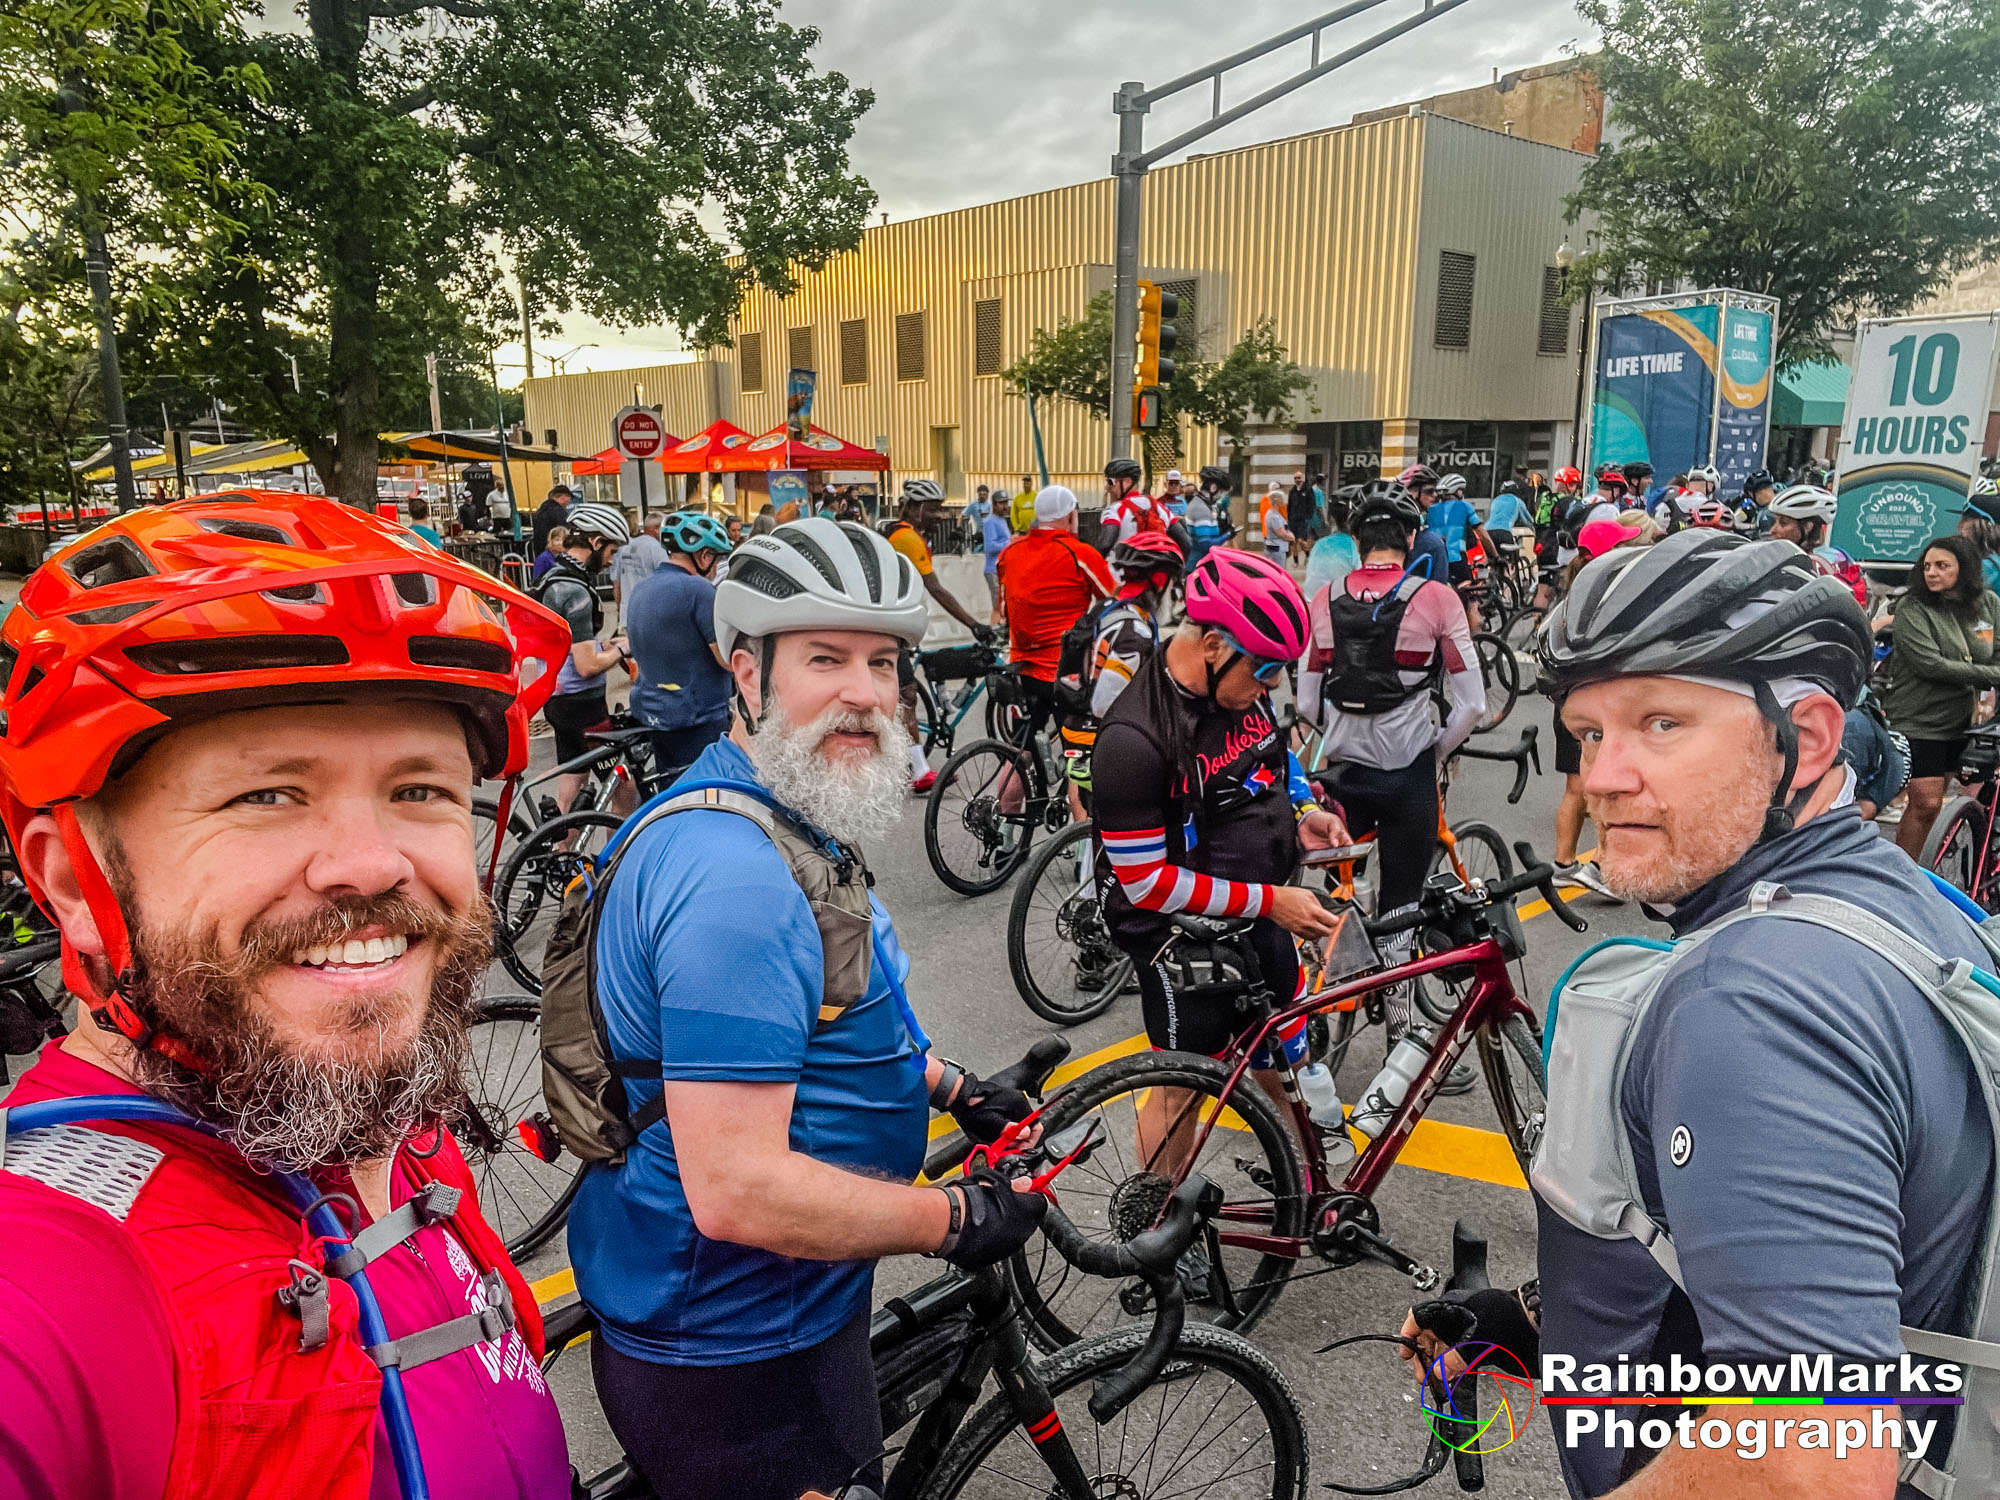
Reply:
x=1031 y=1401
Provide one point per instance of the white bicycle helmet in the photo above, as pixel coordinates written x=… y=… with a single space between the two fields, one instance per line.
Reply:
x=926 y=490
x=1707 y=472
x=1805 y=502
x=1452 y=484
x=592 y=519
x=818 y=574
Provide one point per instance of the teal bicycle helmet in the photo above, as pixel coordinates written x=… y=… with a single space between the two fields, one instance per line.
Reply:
x=690 y=531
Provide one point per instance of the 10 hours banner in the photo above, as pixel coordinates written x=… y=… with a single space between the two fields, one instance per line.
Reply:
x=1909 y=448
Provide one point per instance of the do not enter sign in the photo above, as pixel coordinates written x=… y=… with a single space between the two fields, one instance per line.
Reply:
x=636 y=432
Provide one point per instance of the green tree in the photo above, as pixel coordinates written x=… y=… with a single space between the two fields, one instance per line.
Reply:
x=1835 y=154
x=412 y=153
x=48 y=409
x=1255 y=381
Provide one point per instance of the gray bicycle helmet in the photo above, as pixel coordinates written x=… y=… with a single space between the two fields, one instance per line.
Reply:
x=819 y=574
x=922 y=491
x=592 y=519
x=1384 y=500
x=1707 y=603
x=1123 y=468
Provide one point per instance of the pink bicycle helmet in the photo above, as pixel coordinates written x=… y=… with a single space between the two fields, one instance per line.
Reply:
x=1252 y=598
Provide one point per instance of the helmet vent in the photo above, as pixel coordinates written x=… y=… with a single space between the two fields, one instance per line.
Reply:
x=298 y=593
x=111 y=614
x=460 y=655
x=249 y=531
x=238 y=653
x=415 y=588
x=871 y=566
x=812 y=552
x=114 y=560
x=755 y=573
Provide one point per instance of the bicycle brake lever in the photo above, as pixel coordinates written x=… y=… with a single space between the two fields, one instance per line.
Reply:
x=1043 y=1182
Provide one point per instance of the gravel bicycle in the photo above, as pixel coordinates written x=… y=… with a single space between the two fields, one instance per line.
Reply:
x=981 y=816
x=950 y=681
x=525 y=1196
x=1960 y=847
x=1283 y=1202
x=1149 y=1413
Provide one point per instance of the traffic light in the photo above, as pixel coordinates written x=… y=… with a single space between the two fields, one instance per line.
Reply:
x=1157 y=336
x=1146 y=409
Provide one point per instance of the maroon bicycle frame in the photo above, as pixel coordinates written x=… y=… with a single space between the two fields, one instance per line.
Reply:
x=1492 y=998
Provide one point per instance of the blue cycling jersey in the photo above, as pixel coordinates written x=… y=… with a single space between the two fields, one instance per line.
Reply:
x=1449 y=518
x=709 y=959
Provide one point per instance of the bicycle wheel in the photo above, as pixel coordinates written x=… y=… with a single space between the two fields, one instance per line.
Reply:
x=1251 y=1155
x=486 y=825
x=524 y=1198
x=1951 y=848
x=931 y=727
x=982 y=814
x=1501 y=673
x=1223 y=1424
x=1004 y=721
x=1061 y=954
x=530 y=889
x=1519 y=633
x=1482 y=850
x=1512 y=1060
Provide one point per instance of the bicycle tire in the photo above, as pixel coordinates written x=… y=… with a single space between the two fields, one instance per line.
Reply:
x=1202 y=1351
x=529 y=891
x=990 y=860
x=1951 y=848
x=1519 y=633
x=1106 y=1182
x=931 y=728
x=1512 y=1061
x=1003 y=721
x=485 y=822
x=525 y=1199
x=1483 y=851
x=1501 y=673
x=1076 y=913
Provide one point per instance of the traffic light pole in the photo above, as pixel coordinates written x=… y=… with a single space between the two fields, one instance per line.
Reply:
x=1129 y=167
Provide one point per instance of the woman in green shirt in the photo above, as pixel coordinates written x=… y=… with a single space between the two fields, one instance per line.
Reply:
x=1942 y=659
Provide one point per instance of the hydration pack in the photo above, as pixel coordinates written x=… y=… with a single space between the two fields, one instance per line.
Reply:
x=1584 y=1169
x=1361 y=675
x=1076 y=661
x=566 y=568
x=582 y=1081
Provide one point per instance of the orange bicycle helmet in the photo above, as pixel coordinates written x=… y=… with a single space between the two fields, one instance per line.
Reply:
x=243 y=600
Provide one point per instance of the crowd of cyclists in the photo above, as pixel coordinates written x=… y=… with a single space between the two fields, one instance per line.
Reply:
x=239 y=740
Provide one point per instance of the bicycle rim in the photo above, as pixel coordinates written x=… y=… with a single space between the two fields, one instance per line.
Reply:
x=1512 y=1060
x=1064 y=963
x=1502 y=676
x=1951 y=848
x=486 y=825
x=531 y=887
x=1251 y=1154
x=981 y=816
x=1224 y=1424
x=524 y=1198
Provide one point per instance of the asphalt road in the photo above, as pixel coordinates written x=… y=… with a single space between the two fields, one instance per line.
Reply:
x=1359 y=1410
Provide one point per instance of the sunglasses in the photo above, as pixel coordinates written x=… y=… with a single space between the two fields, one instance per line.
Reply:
x=1265 y=669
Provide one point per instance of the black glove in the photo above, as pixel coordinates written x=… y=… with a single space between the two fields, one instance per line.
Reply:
x=991 y=1221
x=984 y=1109
x=986 y=635
x=1496 y=1315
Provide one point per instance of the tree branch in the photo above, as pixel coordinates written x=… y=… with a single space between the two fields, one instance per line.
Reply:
x=410 y=103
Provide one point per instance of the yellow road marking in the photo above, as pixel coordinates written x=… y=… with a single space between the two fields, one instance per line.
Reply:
x=561 y=1284
x=1536 y=908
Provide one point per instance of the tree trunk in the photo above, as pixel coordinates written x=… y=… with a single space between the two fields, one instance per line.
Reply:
x=356 y=375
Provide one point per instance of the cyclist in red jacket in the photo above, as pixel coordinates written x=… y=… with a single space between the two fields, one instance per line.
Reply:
x=239 y=743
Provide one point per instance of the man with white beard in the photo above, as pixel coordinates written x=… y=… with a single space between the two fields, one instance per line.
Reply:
x=731 y=1255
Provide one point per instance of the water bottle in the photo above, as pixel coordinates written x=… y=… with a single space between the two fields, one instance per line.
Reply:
x=1323 y=1104
x=1390 y=1086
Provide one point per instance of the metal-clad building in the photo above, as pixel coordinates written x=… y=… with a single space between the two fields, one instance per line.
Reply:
x=1408 y=263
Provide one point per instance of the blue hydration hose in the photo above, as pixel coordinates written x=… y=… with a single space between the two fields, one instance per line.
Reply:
x=322 y=1221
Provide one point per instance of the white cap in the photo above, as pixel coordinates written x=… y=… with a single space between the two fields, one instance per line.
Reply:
x=1055 y=502
x=1173 y=476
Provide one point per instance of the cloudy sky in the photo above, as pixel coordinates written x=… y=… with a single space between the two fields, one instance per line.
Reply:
x=977 y=100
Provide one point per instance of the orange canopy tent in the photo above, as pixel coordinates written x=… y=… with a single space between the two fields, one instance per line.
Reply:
x=819 y=449
x=610 y=461
x=704 y=452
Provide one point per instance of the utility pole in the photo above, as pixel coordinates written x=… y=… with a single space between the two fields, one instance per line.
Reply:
x=97 y=268
x=1129 y=166
x=527 y=336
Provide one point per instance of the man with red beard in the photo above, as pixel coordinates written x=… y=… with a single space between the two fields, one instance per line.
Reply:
x=240 y=739
x=752 y=993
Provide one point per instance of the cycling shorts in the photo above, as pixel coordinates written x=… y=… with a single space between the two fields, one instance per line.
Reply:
x=572 y=716
x=1209 y=1023
x=1401 y=809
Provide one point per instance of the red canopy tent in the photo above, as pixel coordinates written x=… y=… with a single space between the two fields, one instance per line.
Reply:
x=610 y=461
x=819 y=449
x=703 y=453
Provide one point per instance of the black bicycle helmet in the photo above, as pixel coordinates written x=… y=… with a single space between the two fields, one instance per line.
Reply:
x=1637 y=472
x=1215 y=474
x=1708 y=603
x=1385 y=500
x=1122 y=468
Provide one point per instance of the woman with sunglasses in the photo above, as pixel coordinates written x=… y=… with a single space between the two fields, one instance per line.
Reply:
x=1200 y=805
x=1382 y=638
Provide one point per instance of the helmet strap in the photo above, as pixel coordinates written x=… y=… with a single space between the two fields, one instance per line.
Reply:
x=1786 y=805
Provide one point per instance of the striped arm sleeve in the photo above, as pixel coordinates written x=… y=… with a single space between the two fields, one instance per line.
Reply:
x=1139 y=860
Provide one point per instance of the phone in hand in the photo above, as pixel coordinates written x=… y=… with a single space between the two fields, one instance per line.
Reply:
x=1339 y=854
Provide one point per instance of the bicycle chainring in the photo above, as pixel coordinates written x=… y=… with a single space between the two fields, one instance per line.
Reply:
x=1347 y=1207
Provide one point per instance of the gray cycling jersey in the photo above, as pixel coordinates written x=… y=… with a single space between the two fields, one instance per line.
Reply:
x=1836 y=1160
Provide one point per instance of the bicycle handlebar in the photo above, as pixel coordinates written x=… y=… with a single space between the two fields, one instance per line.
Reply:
x=16 y=961
x=1527 y=748
x=1536 y=875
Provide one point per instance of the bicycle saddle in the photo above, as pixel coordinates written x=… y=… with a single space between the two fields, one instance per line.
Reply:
x=1209 y=929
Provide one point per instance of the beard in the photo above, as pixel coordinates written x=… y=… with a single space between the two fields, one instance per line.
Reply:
x=1700 y=843
x=352 y=1095
x=851 y=799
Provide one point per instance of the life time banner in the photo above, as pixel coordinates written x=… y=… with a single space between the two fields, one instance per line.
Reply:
x=1684 y=386
x=1916 y=416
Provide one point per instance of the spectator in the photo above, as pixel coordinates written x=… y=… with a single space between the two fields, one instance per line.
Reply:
x=550 y=513
x=680 y=683
x=1942 y=658
x=638 y=559
x=734 y=528
x=1300 y=513
x=420 y=515
x=475 y=511
x=1171 y=495
x=1278 y=536
x=995 y=533
x=548 y=556
x=1021 y=513
x=766 y=520
x=1979 y=524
